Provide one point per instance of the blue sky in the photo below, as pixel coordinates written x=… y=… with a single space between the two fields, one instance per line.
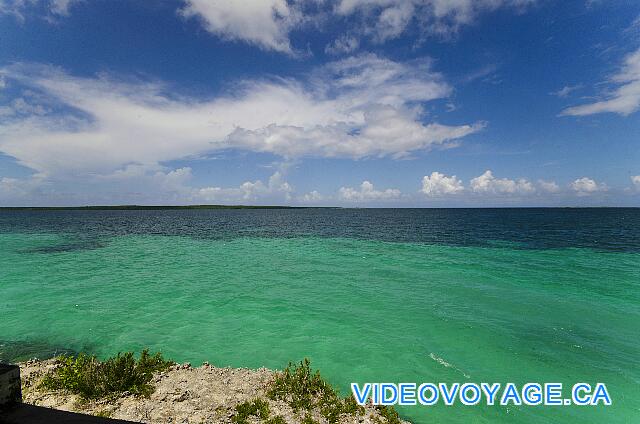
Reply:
x=426 y=103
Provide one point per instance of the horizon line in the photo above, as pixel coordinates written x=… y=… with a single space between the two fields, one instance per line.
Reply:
x=214 y=206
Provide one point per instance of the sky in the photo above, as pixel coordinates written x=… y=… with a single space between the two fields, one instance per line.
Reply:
x=363 y=103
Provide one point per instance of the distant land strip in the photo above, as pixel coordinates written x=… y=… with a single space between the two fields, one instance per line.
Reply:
x=141 y=207
x=181 y=207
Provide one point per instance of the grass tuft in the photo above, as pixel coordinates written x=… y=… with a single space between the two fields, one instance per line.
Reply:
x=389 y=413
x=276 y=420
x=91 y=378
x=103 y=413
x=308 y=419
x=258 y=407
x=304 y=389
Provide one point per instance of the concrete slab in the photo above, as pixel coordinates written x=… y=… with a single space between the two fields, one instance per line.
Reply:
x=30 y=414
x=10 y=392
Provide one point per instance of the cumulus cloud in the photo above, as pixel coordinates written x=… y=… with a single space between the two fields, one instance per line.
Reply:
x=313 y=196
x=549 y=186
x=624 y=99
x=367 y=192
x=140 y=184
x=276 y=187
x=585 y=186
x=265 y=23
x=635 y=180
x=353 y=108
x=487 y=183
x=154 y=184
x=440 y=185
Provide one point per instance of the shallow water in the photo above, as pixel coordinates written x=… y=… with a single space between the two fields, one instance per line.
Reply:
x=369 y=295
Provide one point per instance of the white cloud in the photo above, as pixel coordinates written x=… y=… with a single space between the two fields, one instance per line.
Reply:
x=439 y=185
x=21 y=106
x=368 y=78
x=635 y=179
x=61 y=7
x=268 y=23
x=624 y=100
x=142 y=183
x=387 y=19
x=486 y=73
x=16 y=189
x=367 y=192
x=549 y=186
x=151 y=183
x=250 y=191
x=15 y=7
x=18 y=8
x=265 y=23
x=566 y=90
x=312 y=197
x=357 y=107
x=487 y=183
x=585 y=186
x=343 y=45
x=383 y=131
x=393 y=20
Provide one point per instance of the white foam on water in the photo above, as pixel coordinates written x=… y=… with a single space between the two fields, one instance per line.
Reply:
x=447 y=364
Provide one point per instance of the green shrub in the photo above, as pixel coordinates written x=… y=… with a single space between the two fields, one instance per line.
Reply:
x=306 y=390
x=298 y=386
x=389 y=413
x=103 y=413
x=258 y=408
x=276 y=420
x=91 y=378
x=351 y=407
x=308 y=419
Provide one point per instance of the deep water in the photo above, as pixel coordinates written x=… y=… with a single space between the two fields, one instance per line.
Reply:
x=385 y=295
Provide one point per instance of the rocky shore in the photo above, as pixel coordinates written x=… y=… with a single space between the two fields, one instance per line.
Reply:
x=186 y=394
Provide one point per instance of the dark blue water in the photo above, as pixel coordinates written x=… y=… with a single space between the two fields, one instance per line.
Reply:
x=609 y=229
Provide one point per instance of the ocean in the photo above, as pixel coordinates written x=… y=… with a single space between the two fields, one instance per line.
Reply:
x=369 y=295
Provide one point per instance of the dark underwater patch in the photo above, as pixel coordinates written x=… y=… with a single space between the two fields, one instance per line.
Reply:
x=66 y=247
x=22 y=350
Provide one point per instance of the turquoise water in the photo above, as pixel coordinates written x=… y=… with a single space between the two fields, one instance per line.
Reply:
x=360 y=309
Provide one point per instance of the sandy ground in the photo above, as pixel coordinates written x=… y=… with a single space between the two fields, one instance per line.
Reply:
x=183 y=394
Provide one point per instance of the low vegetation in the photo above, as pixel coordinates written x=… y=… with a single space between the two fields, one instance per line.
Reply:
x=257 y=407
x=276 y=420
x=389 y=413
x=305 y=390
x=299 y=386
x=91 y=378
